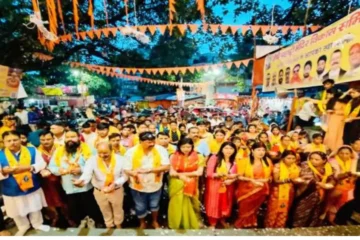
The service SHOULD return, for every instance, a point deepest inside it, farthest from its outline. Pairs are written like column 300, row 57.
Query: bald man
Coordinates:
column 105, row 171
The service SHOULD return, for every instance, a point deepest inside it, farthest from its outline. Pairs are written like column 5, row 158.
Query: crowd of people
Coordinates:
column 200, row 172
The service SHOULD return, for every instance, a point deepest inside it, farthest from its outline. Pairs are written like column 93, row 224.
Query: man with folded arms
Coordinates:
column 145, row 164
column 21, row 189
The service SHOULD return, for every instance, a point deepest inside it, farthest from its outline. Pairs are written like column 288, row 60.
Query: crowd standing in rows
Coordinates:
column 211, row 171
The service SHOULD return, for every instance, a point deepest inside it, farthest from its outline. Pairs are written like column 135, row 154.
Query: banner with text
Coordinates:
column 9, row 81
column 332, row 53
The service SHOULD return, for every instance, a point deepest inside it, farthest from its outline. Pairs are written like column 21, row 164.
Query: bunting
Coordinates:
column 169, row 70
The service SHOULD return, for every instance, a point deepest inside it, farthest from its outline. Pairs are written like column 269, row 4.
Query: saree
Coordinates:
column 184, row 204
column 218, row 204
column 344, row 189
column 308, row 204
column 250, row 198
column 277, row 212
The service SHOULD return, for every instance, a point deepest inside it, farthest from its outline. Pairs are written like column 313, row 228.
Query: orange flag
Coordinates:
column 98, row 33
column 255, row 29
column 244, row 29
column 237, row 63
column 234, row 29
column 201, row 8
column 152, row 29
column 142, row 28
column 162, row 70
column 245, row 62
column 274, row 29
column 106, row 32
column 214, row 28
column 228, row 65
column 90, row 34
column 76, row 15
column 224, row 28
column 162, row 28
column 285, row 29
column 191, row 69
column 170, row 26
column 182, row 28
column 294, row 28
column 172, row 10
column 141, row 70
column 91, row 14
column 113, row 31
column 193, row 28
column 314, row 28
column 82, row 35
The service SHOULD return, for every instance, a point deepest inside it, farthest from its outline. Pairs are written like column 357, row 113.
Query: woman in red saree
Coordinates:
column 253, row 187
column 219, row 193
column 285, row 175
column 308, row 206
column 344, row 164
column 184, row 205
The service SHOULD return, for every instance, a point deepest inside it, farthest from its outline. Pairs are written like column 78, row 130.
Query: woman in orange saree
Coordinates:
column 253, row 187
column 344, row 164
column 285, row 175
column 184, row 205
column 219, row 193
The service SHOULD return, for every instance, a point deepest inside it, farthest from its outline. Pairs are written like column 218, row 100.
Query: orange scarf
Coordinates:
column 182, row 163
column 108, row 172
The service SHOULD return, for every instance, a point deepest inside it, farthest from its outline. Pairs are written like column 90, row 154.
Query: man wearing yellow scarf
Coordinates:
column 105, row 171
column 67, row 162
column 163, row 140
column 20, row 184
column 164, row 126
column 145, row 165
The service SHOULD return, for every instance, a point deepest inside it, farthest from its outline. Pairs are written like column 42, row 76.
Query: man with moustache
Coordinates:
column 68, row 162
column 281, row 77
column 296, row 76
column 273, row 81
column 201, row 146
column 307, row 71
column 336, row 71
column 354, row 60
column 20, row 184
column 320, row 70
column 287, row 75
column 145, row 164
column 58, row 130
column 115, row 143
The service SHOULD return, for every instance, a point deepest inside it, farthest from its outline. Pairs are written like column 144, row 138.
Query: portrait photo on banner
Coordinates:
column 9, row 81
column 332, row 53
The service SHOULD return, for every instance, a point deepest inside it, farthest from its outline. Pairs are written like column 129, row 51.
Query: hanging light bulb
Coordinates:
column 269, row 38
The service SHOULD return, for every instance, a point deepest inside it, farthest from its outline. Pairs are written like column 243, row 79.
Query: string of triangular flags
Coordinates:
column 113, row 72
column 161, row 71
column 214, row 28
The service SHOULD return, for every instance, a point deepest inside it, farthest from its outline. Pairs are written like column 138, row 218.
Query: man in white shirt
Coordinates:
column 306, row 115
column 145, row 164
column 58, row 129
column 88, row 134
column 216, row 120
column 105, row 170
column 23, row 115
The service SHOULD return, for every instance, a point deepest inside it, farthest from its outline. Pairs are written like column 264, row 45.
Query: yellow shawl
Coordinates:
column 286, row 172
column 223, row 170
column 352, row 114
column 84, row 150
column 24, row 180
column 215, row 146
column 344, row 167
column 244, row 167
column 178, row 133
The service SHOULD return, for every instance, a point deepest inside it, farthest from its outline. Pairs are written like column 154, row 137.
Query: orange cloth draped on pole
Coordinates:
column 258, row 72
column 201, row 8
column 76, row 17
column 250, row 197
column 51, row 8
column 91, row 14
column 61, row 15
column 37, row 10
column 172, row 10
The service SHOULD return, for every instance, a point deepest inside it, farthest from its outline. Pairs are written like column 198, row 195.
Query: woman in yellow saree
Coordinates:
column 184, row 205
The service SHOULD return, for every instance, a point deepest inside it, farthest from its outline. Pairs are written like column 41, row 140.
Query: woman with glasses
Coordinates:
column 185, row 169
column 310, row 196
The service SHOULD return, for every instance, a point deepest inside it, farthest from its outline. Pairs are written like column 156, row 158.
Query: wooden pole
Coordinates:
column 292, row 111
